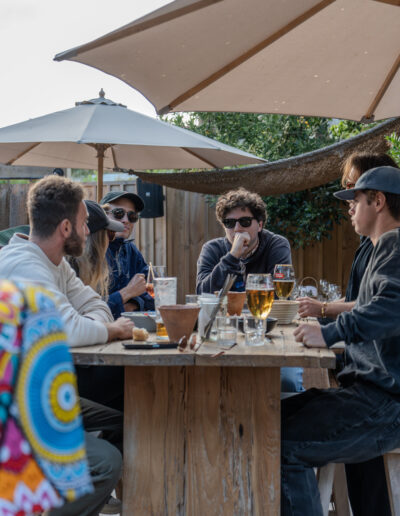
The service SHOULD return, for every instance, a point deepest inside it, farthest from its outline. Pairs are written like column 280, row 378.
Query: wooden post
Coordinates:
column 100, row 167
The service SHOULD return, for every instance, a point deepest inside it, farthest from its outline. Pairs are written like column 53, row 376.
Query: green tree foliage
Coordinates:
column 304, row 217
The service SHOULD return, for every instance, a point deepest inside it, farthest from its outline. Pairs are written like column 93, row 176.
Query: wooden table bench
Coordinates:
column 202, row 433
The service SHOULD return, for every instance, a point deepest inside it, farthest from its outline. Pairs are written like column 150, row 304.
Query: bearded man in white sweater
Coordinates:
column 58, row 222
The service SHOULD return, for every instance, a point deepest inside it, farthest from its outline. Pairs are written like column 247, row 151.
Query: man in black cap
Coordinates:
column 127, row 289
column 361, row 419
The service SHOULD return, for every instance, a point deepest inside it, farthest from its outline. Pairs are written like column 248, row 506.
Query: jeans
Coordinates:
column 348, row 425
column 292, row 379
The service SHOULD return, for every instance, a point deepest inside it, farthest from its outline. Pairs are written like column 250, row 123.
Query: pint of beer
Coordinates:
column 260, row 294
column 283, row 280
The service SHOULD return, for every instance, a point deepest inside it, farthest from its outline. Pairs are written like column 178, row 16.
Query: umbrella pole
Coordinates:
column 100, row 164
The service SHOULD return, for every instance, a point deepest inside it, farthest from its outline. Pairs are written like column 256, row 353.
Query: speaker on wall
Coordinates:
column 153, row 198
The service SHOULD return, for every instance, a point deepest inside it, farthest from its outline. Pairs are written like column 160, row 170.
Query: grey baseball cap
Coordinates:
column 118, row 194
column 99, row 220
column 383, row 179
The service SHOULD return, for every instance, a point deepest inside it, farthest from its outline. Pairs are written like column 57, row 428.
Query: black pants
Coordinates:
column 366, row 483
column 102, row 384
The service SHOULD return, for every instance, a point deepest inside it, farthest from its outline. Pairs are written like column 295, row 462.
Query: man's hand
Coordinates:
column 135, row 287
column 240, row 244
column 131, row 306
column 309, row 307
column 120, row 329
column 310, row 335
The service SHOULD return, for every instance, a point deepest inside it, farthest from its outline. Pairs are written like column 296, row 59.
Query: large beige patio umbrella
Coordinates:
column 99, row 133
column 303, row 57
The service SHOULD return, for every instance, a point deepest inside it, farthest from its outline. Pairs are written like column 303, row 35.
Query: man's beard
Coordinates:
column 73, row 245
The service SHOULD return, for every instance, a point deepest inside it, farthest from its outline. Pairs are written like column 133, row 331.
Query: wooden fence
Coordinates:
column 176, row 239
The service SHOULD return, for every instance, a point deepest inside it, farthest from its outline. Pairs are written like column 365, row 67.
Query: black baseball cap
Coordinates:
column 118, row 194
column 99, row 220
column 383, row 179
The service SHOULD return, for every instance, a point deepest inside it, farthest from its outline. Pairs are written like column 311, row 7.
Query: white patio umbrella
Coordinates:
column 306, row 57
column 101, row 134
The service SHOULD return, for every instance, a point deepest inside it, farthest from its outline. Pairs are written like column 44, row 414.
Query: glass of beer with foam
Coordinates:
column 260, row 295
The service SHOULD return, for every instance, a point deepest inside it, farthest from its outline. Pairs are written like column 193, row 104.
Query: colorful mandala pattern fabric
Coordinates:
column 42, row 455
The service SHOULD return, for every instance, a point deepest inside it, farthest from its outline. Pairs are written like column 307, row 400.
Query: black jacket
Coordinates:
column 372, row 329
column 215, row 261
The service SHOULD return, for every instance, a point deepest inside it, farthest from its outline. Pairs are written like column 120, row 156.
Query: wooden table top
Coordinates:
column 280, row 351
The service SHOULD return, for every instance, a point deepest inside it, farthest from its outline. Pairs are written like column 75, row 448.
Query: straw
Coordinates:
column 150, row 272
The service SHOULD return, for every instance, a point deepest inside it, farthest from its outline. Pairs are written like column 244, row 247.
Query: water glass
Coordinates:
column 165, row 294
column 207, row 305
column 254, row 331
column 191, row 299
column 165, row 291
column 227, row 328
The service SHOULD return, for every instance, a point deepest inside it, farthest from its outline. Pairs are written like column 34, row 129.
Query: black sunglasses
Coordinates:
column 119, row 214
column 245, row 222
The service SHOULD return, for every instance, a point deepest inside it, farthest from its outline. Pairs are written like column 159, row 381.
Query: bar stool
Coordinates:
column 392, row 470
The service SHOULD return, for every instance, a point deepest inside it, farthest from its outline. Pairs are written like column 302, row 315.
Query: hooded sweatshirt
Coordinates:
column 215, row 261
column 82, row 310
column 372, row 329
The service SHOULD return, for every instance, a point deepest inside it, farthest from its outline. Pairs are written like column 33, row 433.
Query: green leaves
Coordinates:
column 303, row 217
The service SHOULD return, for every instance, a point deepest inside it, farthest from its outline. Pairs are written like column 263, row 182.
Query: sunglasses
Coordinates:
column 119, row 214
column 350, row 185
column 245, row 222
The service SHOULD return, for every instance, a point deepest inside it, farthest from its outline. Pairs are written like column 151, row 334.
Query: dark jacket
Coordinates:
column 372, row 329
column 358, row 267
column 125, row 260
column 215, row 261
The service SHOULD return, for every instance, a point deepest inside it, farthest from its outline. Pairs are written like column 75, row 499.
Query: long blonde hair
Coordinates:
column 91, row 266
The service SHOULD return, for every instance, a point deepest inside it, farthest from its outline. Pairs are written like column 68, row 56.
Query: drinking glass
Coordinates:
column 165, row 294
column 155, row 271
column 226, row 330
column 192, row 299
column 254, row 330
column 260, row 296
column 283, row 280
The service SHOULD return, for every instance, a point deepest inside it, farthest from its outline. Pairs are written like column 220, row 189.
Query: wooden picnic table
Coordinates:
column 202, row 433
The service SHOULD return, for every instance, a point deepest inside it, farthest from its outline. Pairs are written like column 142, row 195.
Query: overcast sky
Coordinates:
column 33, row 31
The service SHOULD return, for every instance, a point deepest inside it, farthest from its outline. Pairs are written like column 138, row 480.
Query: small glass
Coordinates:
column 227, row 328
column 192, row 299
column 284, row 280
column 254, row 331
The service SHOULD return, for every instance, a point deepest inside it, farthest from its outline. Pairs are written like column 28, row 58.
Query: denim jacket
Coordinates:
column 125, row 260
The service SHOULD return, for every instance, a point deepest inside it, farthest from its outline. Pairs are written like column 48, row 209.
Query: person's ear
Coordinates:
column 65, row 228
column 380, row 201
column 260, row 226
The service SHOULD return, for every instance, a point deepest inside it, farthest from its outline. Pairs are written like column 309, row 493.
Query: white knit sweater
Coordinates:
column 82, row 309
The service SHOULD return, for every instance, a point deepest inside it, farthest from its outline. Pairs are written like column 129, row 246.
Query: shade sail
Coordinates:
column 304, row 57
column 287, row 175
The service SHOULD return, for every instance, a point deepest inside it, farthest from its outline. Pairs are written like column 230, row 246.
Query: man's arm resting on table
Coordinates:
column 310, row 335
column 119, row 329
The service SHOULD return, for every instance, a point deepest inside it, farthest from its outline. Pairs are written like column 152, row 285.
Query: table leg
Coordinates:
column 202, row 441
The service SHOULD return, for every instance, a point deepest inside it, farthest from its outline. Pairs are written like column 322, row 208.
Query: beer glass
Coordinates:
column 283, row 280
column 260, row 295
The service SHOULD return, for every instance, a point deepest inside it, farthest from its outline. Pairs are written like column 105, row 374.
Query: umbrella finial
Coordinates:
column 101, row 93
